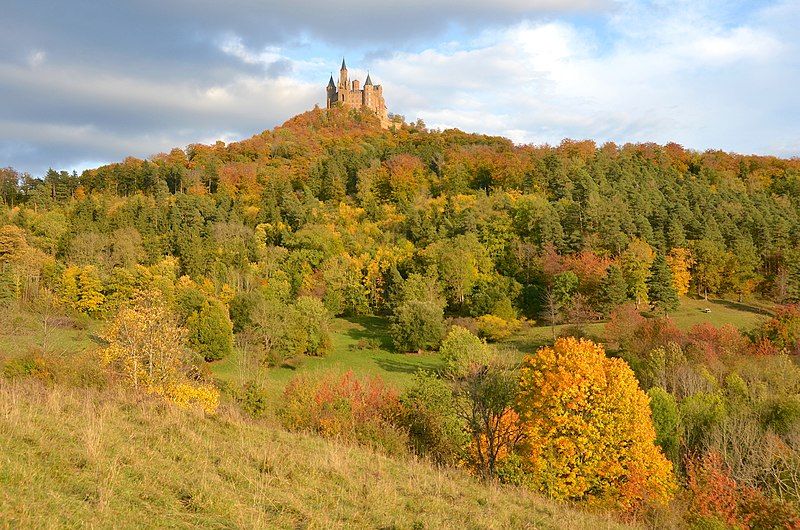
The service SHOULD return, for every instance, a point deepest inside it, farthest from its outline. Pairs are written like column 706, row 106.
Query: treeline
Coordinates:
column 342, row 209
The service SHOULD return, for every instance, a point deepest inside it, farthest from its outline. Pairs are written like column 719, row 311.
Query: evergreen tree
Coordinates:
column 613, row 289
column 661, row 286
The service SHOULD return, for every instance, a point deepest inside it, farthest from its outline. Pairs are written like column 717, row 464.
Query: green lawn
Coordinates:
column 397, row 368
column 394, row 368
column 690, row 312
column 22, row 332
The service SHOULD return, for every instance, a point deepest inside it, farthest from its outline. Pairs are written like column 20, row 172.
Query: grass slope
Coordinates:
column 82, row 458
column 395, row 368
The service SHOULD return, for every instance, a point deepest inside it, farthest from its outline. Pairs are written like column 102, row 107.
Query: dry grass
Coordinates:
column 81, row 458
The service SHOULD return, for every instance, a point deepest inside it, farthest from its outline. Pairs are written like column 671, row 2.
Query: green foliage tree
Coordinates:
column 661, row 286
column 613, row 290
column 211, row 331
column 463, row 353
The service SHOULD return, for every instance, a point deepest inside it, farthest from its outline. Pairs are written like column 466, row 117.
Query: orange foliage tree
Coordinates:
column 589, row 429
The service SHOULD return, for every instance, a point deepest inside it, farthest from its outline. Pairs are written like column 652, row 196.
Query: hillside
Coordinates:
column 82, row 458
column 613, row 327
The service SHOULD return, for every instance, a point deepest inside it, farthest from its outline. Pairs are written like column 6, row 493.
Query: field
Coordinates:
column 360, row 344
column 398, row 368
column 82, row 458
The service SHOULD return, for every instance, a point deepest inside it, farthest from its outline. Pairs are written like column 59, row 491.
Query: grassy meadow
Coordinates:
column 82, row 458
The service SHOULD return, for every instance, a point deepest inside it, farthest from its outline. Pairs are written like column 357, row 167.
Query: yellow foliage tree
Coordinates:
column 680, row 261
column 146, row 347
column 589, row 428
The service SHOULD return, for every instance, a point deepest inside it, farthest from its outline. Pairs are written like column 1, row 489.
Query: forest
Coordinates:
column 460, row 248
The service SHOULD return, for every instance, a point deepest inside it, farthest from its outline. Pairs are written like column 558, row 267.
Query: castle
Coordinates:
column 352, row 95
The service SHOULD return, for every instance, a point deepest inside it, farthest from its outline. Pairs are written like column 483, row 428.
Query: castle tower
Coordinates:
column 343, row 76
column 351, row 94
column 331, row 90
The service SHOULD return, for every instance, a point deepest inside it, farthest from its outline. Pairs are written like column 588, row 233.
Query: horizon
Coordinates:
column 83, row 89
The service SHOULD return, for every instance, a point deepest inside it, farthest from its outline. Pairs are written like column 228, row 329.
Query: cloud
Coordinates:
column 83, row 81
column 689, row 78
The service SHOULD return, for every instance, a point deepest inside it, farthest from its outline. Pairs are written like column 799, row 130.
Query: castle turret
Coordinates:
column 331, row 90
column 343, row 76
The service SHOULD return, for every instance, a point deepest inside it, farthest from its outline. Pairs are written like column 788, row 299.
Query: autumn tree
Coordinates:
column 589, row 427
column 680, row 262
column 148, row 349
column 636, row 262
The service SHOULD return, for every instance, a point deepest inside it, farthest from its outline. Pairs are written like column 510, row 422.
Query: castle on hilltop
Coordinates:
column 352, row 95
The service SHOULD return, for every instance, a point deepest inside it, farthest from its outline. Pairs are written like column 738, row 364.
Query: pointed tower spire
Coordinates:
column 331, row 84
column 368, row 81
column 344, row 66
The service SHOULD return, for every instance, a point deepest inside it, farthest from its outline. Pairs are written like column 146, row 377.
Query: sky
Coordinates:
column 84, row 83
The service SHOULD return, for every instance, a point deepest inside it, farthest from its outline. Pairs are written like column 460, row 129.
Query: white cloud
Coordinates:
column 36, row 57
column 686, row 78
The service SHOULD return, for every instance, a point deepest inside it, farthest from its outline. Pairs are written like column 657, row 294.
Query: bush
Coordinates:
column 494, row 328
column 429, row 415
column 417, row 325
column 463, row 353
column 361, row 410
column 253, row 399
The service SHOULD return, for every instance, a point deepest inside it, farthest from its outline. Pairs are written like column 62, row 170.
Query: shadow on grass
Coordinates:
column 371, row 328
column 406, row 367
column 741, row 306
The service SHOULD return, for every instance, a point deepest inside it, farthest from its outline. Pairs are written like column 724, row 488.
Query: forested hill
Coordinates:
column 413, row 186
column 243, row 279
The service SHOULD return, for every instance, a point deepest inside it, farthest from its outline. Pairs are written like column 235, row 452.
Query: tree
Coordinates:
column 589, row 427
column 485, row 401
column 417, row 325
column 430, row 415
column 666, row 420
column 463, row 353
column 680, row 262
column 740, row 268
column 310, row 326
column 661, row 286
column 709, row 266
column 418, row 317
column 613, row 290
column 147, row 348
column 636, row 262
column 211, row 331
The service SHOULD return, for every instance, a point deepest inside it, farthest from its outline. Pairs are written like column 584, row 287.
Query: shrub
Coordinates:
column 463, row 353
column 781, row 332
column 708, row 343
column 362, row 410
column 494, row 328
column 589, row 427
column 417, row 325
column 429, row 415
column 147, row 349
column 253, row 399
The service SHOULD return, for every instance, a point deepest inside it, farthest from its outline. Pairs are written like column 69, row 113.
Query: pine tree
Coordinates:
column 613, row 289
column 661, row 286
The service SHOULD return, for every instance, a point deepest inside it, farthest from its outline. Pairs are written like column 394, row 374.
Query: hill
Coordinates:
column 83, row 458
